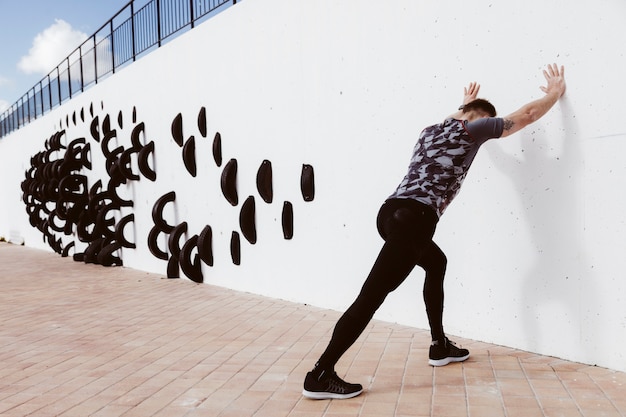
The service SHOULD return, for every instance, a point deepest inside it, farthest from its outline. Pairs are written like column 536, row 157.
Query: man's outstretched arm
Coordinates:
column 534, row 110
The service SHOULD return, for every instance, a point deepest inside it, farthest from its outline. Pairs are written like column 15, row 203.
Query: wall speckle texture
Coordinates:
column 534, row 240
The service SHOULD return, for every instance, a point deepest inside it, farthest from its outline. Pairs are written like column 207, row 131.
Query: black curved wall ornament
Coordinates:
column 93, row 191
column 106, row 126
column 153, row 245
column 192, row 269
column 95, row 129
column 157, row 212
column 217, row 149
column 307, row 183
column 177, row 129
column 73, row 187
column 83, row 226
column 124, row 165
column 85, row 156
column 173, row 242
column 103, row 222
column 235, row 248
column 104, row 145
column 229, row 182
column 115, row 198
column 189, row 156
column 264, row 181
column 74, row 147
column 119, row 231
column 55, row 141
column 115, row 172
column 205, row 245
column 135, row 136
column 247, row 221
column 91, row 252
column 142, row 161
column 287, row 220
column 52, row 224
column 105, row 255
column 202, row 126
column 66, row 249
column 173, row 270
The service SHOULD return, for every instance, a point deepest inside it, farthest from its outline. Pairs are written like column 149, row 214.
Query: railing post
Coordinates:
column 41, row 96
column 191, row 14
column 158, row 7
column 49, row 92
column 132, row 27
column 69, row 77
column 28, row 104
column 82, row 74
column 95, row 59
column 59, row 84
column 112, row 46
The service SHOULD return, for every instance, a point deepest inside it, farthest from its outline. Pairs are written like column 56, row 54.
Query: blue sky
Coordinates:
column 36, row 35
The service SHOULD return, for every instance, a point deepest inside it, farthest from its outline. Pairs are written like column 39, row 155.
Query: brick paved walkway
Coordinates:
column 84, row 340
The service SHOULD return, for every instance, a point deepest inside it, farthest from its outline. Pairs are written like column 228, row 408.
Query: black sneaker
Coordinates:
column 329, row 386
column 442, row 352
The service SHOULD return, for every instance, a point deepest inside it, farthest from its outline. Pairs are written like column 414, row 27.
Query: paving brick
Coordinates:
column 84, row 340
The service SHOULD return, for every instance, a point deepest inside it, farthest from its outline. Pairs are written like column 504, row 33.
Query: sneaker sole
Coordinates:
column 329, row 395
column 445, row 361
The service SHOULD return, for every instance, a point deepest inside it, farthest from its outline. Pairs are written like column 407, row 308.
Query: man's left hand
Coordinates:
column 470, row 92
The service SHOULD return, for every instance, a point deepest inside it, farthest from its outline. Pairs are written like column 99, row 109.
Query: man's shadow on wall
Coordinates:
column 549, row 186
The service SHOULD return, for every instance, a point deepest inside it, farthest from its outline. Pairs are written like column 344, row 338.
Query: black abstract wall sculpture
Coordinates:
column 264, row 181
column 229, row 182
column 191, row 268
column 287, row 220
column 189, row 156
column 177, row 129
column 202, row 124
column 71, row 213
column 205, row 245
column 144, row 165
column 217, row 149
column 307, row 183
column 59, row 201
column 235, row 248
column 247, row 220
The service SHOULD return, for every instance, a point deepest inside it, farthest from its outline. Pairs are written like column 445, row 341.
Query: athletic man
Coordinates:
column 407, row 221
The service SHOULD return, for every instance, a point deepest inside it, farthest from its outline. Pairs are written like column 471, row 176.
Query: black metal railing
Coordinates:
column 132, row 32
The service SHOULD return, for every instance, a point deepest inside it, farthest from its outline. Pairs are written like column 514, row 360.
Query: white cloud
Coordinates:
column 50, row 47
column 3, row 103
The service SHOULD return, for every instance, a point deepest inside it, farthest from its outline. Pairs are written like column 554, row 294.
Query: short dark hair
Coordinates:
column 480, row 104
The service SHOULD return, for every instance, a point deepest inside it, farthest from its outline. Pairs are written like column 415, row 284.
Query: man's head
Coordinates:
column 480, row 106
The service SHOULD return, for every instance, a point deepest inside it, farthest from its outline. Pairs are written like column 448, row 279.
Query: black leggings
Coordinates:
column 407, row 227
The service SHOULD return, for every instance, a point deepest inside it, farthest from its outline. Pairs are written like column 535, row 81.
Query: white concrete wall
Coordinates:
column 535, row 240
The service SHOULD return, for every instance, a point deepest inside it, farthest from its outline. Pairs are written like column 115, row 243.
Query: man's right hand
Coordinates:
column 534, row 110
